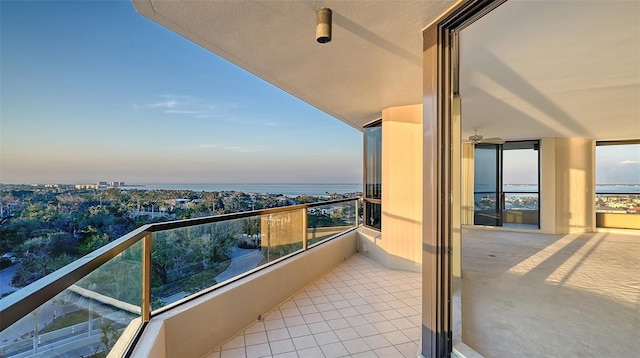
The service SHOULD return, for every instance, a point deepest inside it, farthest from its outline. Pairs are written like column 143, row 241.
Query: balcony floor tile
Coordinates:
column 359, row 309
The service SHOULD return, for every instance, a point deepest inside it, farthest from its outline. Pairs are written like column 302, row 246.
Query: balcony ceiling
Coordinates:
column 373, row 62
column 529, row 69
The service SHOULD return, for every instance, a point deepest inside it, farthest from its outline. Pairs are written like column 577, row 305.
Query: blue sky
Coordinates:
column 90, row 90
column 93, row 91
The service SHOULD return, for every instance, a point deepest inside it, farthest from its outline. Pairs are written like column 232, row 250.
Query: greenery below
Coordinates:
column 46, row 228
column 69, row 319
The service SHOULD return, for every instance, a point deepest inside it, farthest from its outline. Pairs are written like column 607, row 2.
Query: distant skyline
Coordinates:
column 94, row 91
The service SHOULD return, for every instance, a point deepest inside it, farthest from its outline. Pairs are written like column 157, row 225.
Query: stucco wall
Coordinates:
column 399, row 244
column 567, row 203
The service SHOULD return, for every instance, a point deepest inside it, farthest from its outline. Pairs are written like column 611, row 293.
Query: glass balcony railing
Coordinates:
column 618, row 210
column 618, row 203
column 517, row 208
column 98, row 304
column 521, row 208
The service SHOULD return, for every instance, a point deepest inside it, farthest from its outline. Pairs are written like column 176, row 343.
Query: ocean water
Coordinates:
column 600, row 188
column 323, row 189
column 284, row 189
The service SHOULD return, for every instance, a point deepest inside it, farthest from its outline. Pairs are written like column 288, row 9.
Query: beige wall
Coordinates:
column 618, row 221
column 567, row 203
column 468, row 151
column 456, row 188
column 399, row 245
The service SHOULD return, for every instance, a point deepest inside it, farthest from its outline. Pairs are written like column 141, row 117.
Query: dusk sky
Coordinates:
column 94, row 91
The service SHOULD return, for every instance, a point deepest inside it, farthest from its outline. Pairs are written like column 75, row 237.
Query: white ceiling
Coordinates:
column 534, row 69
column 529, row 69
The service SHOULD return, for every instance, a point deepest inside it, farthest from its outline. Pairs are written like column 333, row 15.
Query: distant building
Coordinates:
column 87, row 186
column 177, row 202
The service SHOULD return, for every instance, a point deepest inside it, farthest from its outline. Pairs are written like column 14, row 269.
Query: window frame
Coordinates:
column 369, row 200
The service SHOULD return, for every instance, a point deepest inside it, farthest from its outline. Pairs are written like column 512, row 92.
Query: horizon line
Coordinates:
column 143, row 184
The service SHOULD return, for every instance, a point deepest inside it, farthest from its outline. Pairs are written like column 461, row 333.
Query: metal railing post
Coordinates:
column 146, row 279
column 305, row 231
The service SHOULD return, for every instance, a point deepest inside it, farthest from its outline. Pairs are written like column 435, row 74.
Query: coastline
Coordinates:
column 283, row 189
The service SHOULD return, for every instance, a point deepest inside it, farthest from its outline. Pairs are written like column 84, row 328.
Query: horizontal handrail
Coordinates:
column 168, row 225
column 27, row 299
column 505, row 191
column 617, row 193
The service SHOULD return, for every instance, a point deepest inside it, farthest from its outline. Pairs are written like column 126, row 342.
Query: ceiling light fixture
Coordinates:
column 323, row 25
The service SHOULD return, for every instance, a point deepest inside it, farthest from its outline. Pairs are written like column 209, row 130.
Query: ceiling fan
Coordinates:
column 478, row 138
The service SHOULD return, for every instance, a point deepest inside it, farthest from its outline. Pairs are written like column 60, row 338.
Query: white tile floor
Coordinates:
column 359, row 309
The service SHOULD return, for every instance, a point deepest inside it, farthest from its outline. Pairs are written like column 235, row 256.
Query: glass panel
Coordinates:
column 188, row 260
column 86, row 319
column 373, row 214
column 617, row 178
column 329, row 220
column 283, row 234
column 373, row 162
column 486, row 176
column 618, row 184
column 617, row 168
column 520, row 168
column 621, row 203
column 521, row 209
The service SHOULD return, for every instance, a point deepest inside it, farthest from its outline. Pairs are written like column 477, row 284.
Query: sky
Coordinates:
column 92, row 91
column 615, row 164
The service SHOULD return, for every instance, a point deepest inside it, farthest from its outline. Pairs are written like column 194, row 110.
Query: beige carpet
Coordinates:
column 534, row 295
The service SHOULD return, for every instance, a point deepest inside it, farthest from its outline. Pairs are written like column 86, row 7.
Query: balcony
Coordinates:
column 513, row 209
column 140, row 286
column 617, row 210
column 359, row 308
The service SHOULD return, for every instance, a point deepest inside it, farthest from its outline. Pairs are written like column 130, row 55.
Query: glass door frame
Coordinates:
column 440, row 83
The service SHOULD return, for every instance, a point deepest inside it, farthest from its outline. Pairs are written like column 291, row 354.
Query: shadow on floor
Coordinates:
column 551, row 295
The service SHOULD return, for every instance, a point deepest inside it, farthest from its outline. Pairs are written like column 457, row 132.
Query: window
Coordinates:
column 617, row 183
column 373, row 174
column 506, row 190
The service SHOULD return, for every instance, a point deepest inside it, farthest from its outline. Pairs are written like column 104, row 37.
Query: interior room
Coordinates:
column 538, row 274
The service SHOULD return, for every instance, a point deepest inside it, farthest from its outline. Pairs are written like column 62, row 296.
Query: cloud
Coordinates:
column 177, row 111
column 629, row 162
column 229, row 148
column 170, row 101
column 172, row 104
